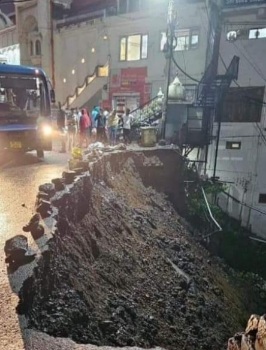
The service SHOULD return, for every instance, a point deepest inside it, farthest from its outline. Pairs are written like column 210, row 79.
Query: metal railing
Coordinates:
column 148, row 112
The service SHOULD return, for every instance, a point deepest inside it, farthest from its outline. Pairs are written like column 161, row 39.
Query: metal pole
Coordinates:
column 171, row 30
column 52, row 44
column 167, row 84
column 219, row 112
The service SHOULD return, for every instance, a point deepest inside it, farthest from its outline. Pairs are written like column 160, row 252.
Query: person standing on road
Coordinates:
column 127, row 120
column 72, row 128
column 100, row 120
column 84, row 125
column 112, row 124
column 94, row 114
column 61, row 123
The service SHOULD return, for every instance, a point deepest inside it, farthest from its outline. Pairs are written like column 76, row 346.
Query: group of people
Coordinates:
column 78, row 127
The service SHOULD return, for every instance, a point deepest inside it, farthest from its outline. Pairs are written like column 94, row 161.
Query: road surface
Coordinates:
column 20, row 178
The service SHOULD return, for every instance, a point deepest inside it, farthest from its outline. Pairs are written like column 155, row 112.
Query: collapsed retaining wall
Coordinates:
column 122, row 269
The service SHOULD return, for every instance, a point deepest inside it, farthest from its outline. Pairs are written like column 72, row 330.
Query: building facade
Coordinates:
column 242, row 146
column 111, row 50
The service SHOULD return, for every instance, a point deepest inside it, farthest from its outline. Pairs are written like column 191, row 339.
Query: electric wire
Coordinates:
column 244, row 204
column 186, row 74
column 255, row 124
column 256, row 69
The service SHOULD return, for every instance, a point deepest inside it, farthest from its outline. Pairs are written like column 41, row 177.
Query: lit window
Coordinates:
column 144, row 47
column 233, row 145
column 38, row 48
column 258, row 33
column 134, row 47
column 163, row 41
column 123, row 49
column 182, row 40
column 186, row 39
column 194, row 39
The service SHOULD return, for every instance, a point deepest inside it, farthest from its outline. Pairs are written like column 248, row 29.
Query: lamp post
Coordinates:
column 171, row 22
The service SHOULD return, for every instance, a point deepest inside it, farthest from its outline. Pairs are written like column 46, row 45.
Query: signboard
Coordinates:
column 132, row 81
column 236, row 3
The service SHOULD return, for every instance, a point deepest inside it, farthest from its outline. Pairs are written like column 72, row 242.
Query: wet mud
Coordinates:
column 123, row 268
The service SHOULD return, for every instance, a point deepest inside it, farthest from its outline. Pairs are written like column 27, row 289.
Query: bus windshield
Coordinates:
column 21, row 96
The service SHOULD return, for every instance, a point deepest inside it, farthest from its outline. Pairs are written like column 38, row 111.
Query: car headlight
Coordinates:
column 47, row 130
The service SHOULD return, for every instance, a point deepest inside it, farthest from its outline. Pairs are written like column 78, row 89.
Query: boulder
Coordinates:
column 48, row 188
column 44, row 208
column 58, row 184
column 17, row 251
column 69, row 176
column 33, row 223
column 37, row 232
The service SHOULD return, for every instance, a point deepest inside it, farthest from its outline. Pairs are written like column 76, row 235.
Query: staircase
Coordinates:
column 212, row 88
column 93, row 83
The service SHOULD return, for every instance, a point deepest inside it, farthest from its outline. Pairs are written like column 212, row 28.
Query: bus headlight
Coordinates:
column 47, row 130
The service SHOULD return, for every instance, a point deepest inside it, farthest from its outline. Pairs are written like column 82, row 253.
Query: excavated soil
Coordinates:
column 123, row 269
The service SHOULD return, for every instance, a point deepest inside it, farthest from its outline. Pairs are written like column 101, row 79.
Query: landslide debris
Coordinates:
column 122, row 269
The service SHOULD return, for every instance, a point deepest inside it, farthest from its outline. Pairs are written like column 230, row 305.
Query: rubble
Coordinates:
column 58, row 184
column 123, row 270
column 47, row 188
column 17, row 251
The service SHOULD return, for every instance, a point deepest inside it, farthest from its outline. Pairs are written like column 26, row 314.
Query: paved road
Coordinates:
column 19, row 180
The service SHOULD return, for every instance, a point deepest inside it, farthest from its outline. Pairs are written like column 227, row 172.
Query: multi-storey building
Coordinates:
column 241, row 154
column 113, row 52
column 72, row 39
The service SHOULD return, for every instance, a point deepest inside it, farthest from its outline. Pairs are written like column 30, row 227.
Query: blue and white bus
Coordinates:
column 25, row 109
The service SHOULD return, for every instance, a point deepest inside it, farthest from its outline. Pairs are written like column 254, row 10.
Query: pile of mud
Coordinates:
column 122, row 269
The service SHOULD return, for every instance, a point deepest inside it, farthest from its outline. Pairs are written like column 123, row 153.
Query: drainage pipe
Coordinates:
column 219, row 229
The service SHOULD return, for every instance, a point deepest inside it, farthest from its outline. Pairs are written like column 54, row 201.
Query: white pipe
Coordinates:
column 257, row 239
column 209, row 210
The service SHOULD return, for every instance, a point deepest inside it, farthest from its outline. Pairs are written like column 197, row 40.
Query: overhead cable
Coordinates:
column 186, row 74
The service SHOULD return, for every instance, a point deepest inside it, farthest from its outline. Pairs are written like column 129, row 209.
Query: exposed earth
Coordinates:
column 123, row 268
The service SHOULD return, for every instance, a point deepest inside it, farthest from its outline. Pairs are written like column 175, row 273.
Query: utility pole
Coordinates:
column 52, row 43
column 219, row 114
column 171, row 24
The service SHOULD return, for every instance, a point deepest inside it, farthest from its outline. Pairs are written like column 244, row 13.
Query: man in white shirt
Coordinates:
column 72, row 128
column 127, row 120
